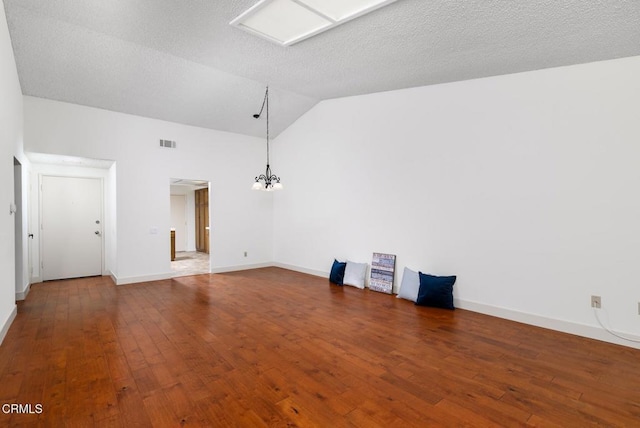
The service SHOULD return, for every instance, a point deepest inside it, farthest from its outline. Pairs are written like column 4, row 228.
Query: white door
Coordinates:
column 71, row 227
column 179, row 220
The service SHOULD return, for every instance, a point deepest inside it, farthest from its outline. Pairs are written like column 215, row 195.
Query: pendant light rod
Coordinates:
column 267, row 181
column 266, row 97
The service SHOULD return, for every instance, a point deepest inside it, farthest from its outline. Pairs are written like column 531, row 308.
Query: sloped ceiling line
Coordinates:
column 183, row 62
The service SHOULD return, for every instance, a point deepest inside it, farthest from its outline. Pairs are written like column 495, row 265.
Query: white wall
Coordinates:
column 11, row 118
column 229, row 161
column 525, row 186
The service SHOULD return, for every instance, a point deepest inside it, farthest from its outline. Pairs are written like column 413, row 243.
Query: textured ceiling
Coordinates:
column 181, row 61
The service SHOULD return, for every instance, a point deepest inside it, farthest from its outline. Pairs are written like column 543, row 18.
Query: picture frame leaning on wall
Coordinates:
column 383, row 267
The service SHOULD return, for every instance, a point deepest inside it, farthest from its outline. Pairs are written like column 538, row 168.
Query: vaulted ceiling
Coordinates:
column 181, row 61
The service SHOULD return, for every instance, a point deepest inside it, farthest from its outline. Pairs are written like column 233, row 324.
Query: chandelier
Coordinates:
column 267, row 181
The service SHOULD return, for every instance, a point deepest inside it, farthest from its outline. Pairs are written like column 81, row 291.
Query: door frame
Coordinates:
column 19, row 230
column 102, row 216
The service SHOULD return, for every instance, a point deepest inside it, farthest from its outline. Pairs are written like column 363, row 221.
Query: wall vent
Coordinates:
column 168, row 143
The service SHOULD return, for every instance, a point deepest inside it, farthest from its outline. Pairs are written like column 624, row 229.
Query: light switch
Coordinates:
column 153, row 231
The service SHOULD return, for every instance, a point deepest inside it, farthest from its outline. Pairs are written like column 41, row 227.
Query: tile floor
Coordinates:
column 190, row 263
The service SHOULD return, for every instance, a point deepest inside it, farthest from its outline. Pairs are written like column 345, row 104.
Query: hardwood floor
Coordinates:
column 271, row 347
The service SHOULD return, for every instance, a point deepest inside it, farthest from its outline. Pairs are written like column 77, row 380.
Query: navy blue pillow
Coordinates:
column 337, row 272
column 436, row 291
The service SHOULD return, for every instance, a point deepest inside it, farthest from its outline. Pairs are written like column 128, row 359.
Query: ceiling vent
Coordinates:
column 168, row 143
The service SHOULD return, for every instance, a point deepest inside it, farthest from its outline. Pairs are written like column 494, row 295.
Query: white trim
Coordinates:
column 225, row 269
column 36, row 280
column 577, row 329
column 583, row 330
column 5, row 326
column 170, row 275
column 313, row 272
column 23, row 294
column 142, row 278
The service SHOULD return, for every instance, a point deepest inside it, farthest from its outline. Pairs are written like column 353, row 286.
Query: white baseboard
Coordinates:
column 169, row 275
column 36, row 280
column 23, row 294
column 591, row 332
column 7, row 323
column 142, row 278
column 302, row 269
column 240, row 267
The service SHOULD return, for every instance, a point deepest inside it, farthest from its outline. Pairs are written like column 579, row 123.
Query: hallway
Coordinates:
column 190, row 263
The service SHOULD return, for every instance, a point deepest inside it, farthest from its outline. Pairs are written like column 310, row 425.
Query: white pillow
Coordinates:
column 354, row 274
column 410, row 285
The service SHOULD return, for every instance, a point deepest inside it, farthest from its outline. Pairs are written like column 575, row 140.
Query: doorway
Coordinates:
column 19, row 233
column 71, row 227
column 190, row 241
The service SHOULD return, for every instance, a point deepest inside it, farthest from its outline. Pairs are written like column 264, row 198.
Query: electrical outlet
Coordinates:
column 596, row 302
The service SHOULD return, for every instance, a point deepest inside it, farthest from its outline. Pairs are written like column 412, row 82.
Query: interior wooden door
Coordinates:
column 202, row 220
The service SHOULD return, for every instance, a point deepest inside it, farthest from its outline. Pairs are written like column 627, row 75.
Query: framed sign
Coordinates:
column 383, row 267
